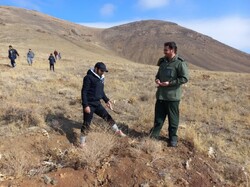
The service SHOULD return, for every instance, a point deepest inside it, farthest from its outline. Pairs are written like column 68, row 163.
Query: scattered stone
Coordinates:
column 45, row 133
column 182, row 182
column 34, row 129
column 47, row 179
column 211, row 152
column 145, row 184
column 187, row 164
column 33, row 172
column 54, row 182
column 162, row 174
column 2, row 177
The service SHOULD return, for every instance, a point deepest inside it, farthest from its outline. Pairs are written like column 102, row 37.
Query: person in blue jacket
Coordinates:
column 92, row 92
column 12, row 55
column 52, row 61
column 30, row 57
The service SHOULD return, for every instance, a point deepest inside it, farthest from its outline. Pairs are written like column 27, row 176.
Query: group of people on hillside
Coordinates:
column 13, row 54
column 172, row 73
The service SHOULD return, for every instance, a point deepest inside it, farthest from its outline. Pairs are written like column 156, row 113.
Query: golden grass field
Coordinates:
column 41, row 116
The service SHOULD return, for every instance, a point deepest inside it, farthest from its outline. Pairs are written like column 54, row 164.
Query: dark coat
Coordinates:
column 12, row 54
column 93, row 89
column 176, row 72
column 52, row 59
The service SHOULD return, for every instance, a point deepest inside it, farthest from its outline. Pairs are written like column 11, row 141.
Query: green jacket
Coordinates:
column 176, row 72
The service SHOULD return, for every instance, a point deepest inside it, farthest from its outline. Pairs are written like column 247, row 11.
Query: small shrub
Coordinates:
column 15, row 163
column 192, row 137
column 150, row 146
column 99, row 145
column 26, row 117
column 235, row 174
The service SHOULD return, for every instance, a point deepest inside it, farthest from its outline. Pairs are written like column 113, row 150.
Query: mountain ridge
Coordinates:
column 147, row 37
column 140, row 41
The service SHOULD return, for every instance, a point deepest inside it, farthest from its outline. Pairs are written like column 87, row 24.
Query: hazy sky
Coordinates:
column 227, row 21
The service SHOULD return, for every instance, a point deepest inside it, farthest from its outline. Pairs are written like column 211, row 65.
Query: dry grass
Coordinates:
column 150, row 146
column 214, row 109
column 99, row 145
column 214, row 114
column 15, row 163
column 23, row 116
column 191, row 135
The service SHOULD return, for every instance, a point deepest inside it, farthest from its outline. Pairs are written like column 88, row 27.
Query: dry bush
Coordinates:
column 237, row 175
column 98, row 146
column 190, row 134
column 146, row 116
column 22, row 116
column 10, row 130
column 15, row 163
column 150, row 146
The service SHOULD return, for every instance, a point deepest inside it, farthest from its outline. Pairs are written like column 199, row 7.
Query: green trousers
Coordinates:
column 165, row 109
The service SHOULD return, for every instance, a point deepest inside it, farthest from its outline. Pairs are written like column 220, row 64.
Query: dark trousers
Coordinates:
column 165, row 109
column 13, row 63
column 51, row 67
column 97, row 108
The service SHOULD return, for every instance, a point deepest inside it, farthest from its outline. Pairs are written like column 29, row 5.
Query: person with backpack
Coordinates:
column 92, row 92
column 12, row 55
column 30, row 56
column 52, row 61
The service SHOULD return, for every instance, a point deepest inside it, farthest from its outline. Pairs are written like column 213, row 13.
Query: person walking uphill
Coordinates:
column 30, row 56
column 52, row 61
column 92, row 92
column 172, row 73
column 12, row 55
column 56, row 54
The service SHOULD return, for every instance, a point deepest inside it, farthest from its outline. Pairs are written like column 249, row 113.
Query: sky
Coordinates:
column 227, row 21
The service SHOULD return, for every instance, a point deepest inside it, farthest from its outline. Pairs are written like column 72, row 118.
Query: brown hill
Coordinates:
column 24, row 29
column 142, row 42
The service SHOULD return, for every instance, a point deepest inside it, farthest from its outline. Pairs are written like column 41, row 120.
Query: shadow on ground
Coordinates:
column 64, row 126
column 5, row 66
column 71, row 129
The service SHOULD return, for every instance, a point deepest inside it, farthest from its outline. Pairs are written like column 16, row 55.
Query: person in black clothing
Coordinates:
column 12, row 56
column 92, row 93
column 52, row 61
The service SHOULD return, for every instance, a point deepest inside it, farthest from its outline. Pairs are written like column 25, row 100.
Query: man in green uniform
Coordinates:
column 172, row 73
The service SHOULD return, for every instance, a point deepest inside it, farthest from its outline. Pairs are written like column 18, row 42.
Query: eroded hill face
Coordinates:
column 143, row 41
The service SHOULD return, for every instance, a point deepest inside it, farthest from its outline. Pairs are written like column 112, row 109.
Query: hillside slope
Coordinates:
column 142, row 42
column 41, row 117
column 24, row 29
